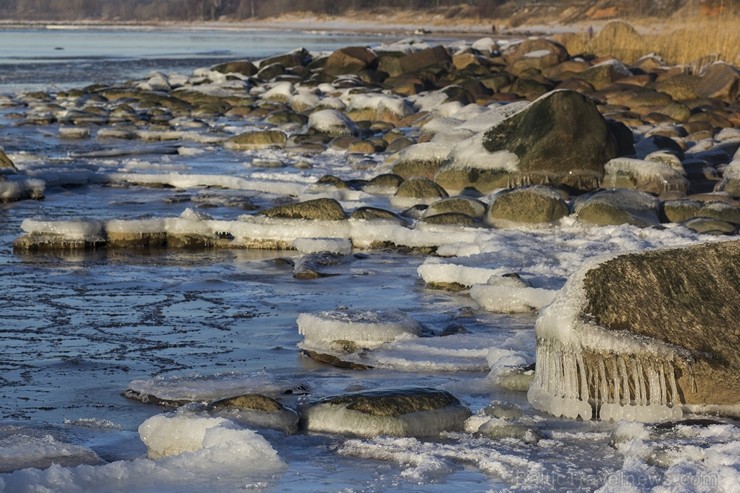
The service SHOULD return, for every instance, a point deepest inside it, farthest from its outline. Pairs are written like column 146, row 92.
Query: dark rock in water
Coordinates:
column 256, row 410
column 645, row 334
column 317, row 209
column 532, row 205
column 405, row 412
column 618, row 206
column 561, row 137
column 334, row 360
column 153, row 399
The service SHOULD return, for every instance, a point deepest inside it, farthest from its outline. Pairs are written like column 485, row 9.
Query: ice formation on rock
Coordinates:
column 584, row 371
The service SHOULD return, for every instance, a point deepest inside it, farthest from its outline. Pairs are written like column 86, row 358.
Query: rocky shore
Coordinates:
column 474, row 136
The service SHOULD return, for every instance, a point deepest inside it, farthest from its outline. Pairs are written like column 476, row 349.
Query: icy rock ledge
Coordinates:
column 642, row 336
column 398, row 412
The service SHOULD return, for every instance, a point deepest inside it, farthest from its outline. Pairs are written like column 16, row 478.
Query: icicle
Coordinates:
column 625, row 400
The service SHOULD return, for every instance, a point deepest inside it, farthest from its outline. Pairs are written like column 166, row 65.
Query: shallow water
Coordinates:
column 78, row 329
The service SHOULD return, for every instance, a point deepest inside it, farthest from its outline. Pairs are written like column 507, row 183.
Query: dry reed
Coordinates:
column 694, row 44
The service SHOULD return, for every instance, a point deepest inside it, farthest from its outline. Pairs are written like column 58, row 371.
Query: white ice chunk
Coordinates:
column 364, row 327
column 510, row 299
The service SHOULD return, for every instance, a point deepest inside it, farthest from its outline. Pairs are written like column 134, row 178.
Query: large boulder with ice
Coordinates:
column 405, row 412
column 642, row 336
column 561, row 138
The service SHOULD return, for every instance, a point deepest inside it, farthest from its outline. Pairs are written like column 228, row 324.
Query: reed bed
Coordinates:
column 695, row 44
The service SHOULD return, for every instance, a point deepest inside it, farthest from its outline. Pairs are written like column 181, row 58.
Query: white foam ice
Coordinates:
column 686, row 458
column 15, row 187
column 194, row 453
column 511, row 299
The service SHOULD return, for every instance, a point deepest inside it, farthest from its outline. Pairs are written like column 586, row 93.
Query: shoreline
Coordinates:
column 337, row 25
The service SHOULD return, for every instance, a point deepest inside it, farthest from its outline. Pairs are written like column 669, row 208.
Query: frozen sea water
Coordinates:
column 80, row 328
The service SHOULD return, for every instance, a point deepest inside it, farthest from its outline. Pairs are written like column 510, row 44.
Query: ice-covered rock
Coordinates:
column 561, row 138
column 510, row 294
column 6, row 164
column 256, row 410
column 650, row 176
column 348, row 331
column 422, row 159
column 331, row 122
column 402, row 412
column 640, row 336
column 618, row 206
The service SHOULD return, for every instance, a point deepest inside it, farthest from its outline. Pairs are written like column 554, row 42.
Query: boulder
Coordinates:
column 449, row 219
column 243, row 67
column 414, row 412
column 710, row 226
column 423, row 159
column 420, row 188
column 531, row 205
column 436, row 56
column 643, row 336
column 720, row 80
column 677, row 211
column 350, row 60
column 559, row 138
column 461, row 205
column 317, row 209
column 257, row 139
column 618, row 206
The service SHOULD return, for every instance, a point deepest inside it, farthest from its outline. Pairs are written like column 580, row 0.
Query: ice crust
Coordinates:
column 366, row 328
